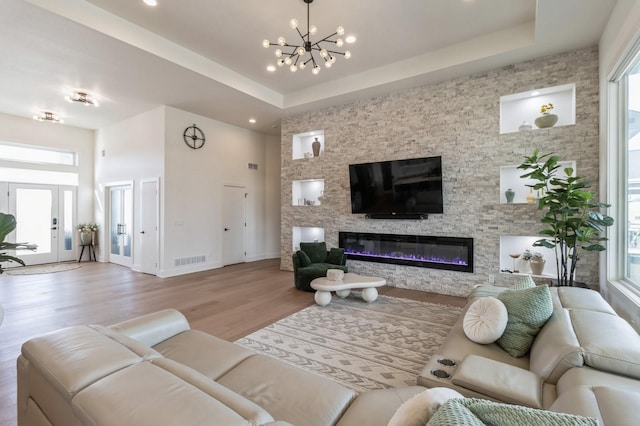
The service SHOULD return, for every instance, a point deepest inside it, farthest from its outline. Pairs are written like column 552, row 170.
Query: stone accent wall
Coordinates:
column 458, row 120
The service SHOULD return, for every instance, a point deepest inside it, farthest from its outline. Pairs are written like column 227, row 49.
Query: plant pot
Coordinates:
column 86, row 238
column 546, row 120
column 537, row 266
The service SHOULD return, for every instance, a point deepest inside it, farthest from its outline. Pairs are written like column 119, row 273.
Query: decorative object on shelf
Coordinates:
column 524, row 127
column 515, row 257
column 7, row 225
column 297, row 56
column 509, row 195
column 51, row 117
column 536, row 263
column 82, row 97
column 546, row 119
column 573, row 221
column 193, row 137
column 531, row 198
column 87, row 233
column 315, row 145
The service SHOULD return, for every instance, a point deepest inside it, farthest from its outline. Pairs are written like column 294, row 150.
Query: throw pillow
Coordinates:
column 485, row 320
column 528, row 309
column 524, row 282
column 418, row 409
column 317, row 252
column 335, row 256
column 303, row 258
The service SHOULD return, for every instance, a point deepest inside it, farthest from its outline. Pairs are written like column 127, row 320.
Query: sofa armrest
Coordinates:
column 153, row 328
column 499, row 381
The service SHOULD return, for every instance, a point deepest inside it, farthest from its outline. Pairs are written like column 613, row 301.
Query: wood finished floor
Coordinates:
column 229, row 302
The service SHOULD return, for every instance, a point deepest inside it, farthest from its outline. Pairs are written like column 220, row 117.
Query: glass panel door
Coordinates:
column 120, row 224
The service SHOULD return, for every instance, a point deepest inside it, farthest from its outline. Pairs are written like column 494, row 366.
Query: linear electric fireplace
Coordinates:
column 451, row 253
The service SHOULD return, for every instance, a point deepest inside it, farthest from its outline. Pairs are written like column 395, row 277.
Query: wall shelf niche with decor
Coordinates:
column 519, row 108
column 510, row 179
column 307, row 192
column 306, row 234
column 303, row 145
column 512, row 245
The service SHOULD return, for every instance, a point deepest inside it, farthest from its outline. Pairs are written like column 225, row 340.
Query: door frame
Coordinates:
column 245, row 189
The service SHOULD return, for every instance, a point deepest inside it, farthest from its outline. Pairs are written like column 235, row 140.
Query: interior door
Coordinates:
column 44, row 216
column 149, row 227
column 234, row 224
column 120, row 224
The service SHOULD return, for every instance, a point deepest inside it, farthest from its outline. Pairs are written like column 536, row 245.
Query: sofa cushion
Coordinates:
column 485, row 320
column 376, row 407
column 529, row 309
column 303, row 258
column 609, row 343
column 317, row 252
column 335, row 256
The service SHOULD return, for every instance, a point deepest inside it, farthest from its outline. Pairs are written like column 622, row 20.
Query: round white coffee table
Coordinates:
column 343, row 287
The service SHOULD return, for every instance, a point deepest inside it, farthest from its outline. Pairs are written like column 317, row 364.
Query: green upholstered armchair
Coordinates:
column 313, row 260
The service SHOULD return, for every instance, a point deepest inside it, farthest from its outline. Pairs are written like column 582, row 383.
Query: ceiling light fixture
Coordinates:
column 151, row 2
column 83, row 98
column 48, row 116
column 297, row 57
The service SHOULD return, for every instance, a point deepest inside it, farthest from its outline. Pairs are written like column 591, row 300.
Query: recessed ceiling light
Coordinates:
column 271, row 68
column 151, row 2
column 252, row 120
column 350, row 39
column 536, row 93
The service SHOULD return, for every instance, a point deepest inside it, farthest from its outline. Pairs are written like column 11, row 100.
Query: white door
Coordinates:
column 234, row 224
column 120, row 225
column 44, row 216
column 149, row 227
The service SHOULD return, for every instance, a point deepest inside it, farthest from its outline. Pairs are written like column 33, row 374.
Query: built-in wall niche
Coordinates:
column 512, row 246
column 303, row 234
column 309, row 192
column 303, row 144
column 510, row 179
column 520, row 108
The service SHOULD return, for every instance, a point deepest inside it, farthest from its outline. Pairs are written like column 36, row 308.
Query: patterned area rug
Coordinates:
column 363, row 346
column 41, row 269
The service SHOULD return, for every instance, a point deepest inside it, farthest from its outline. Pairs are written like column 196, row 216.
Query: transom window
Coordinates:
column 36, row 155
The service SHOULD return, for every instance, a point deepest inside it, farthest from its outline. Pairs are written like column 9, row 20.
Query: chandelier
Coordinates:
column 48, row 116
column 299, row 55
column 83, row 98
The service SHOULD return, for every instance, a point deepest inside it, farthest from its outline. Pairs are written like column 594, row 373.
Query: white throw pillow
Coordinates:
column 417, row 410
column 485, row 320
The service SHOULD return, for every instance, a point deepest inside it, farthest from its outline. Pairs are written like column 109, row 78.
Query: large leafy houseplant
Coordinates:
column 573, row 220
column 8, row 224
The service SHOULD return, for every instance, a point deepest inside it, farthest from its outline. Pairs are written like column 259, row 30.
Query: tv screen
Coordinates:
column 412, row 186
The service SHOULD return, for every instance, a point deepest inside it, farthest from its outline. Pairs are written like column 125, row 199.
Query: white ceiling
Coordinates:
column 206, row 56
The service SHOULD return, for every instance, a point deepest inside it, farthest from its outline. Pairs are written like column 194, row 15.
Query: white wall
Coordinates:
column 30, row 132
column 621, row 32
column 272, row 197
column 133, row 150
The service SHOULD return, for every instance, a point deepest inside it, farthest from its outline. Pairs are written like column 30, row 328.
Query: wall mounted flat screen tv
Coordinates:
column 397, row 187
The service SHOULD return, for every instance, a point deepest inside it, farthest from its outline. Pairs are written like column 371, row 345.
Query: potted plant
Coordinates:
column 7, row 225
column 87, row 232
column 573, row 220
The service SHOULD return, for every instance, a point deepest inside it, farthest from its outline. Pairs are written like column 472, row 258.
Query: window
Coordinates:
column 632, row 153
column 37, row 155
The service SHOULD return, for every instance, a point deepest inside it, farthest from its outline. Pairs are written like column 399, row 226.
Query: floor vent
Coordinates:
column 184, row 261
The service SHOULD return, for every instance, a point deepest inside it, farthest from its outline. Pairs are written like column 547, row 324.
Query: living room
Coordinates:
column 457, row 117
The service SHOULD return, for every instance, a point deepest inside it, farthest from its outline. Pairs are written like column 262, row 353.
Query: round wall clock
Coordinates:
column 193, row 137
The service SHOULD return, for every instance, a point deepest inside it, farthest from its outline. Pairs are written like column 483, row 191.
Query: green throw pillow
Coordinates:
column 303, row 258
column 335, row 256
column 528, row 309
column 525, row 282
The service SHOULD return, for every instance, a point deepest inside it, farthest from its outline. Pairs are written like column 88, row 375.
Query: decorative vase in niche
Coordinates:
column 509, row 194
column 316, row 147
column 546, row 120
column 524, row 127
column 536, row 265
column 531, row 198
column 86, row 238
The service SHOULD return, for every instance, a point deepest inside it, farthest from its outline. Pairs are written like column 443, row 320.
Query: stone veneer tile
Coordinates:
column 459, row 120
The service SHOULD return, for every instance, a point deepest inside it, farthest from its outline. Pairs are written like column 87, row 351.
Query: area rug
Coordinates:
column 363, row 346
column 41, row 269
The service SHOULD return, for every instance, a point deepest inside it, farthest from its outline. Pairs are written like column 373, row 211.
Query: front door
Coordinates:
column 120, row 224
column 44, row 216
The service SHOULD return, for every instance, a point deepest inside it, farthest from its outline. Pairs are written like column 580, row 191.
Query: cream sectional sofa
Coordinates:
column 585, row 360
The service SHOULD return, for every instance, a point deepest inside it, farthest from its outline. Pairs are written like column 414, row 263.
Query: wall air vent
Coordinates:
column 192, row 260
